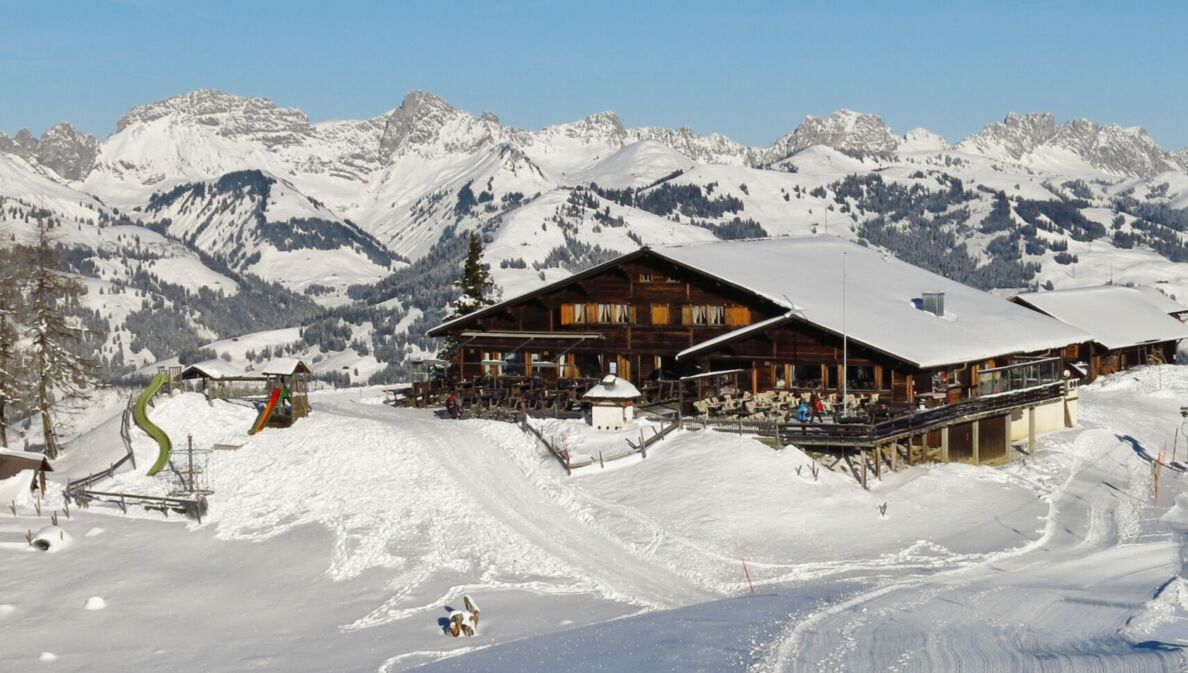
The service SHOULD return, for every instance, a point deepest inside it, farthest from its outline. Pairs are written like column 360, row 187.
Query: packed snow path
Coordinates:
column 503, row 490
column 1057, row 605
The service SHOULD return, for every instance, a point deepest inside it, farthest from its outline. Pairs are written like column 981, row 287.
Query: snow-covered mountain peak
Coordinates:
column 600, row 126
column 1182, row 158
column 922, row 140
column 426, row 124
column 63, row 149
column 844, row 130
column 1013, row 137
column 257, row 119
column 1114, row 149
column 1037, row 139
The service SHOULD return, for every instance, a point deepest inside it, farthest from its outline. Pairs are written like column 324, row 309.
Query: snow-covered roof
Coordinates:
column 804, row 275
column 612, row 388
column 1115, row 316
column 1160, row 300
column 284, row 367
column 212, row 369
column 880, row 297
column 30, row 456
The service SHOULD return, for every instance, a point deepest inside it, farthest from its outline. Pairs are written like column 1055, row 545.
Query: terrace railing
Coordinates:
column 870, row 434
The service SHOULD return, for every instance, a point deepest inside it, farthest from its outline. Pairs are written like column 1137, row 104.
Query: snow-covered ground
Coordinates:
column 338, row 544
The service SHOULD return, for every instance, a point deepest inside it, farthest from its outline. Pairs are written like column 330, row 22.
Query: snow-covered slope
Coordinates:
column 1024, row 202
column 261, row 225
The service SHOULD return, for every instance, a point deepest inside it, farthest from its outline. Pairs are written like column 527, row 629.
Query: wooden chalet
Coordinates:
column 1127, row 326
column 744, row 330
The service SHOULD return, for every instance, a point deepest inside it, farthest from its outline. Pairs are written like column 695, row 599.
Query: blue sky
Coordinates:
column 751, row 70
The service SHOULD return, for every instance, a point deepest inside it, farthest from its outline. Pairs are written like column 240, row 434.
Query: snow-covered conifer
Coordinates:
column 59, row 370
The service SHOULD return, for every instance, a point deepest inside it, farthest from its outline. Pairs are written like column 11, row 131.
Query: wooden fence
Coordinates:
column 129, row 456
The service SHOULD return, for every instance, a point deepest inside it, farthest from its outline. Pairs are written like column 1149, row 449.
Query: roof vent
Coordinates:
column 934, row 303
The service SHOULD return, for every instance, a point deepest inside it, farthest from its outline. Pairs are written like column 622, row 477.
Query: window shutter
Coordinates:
column 591, row 312
column 566, row 314
column 659, row 314
column 687, row 315
column 631, row 314
column 738, row 316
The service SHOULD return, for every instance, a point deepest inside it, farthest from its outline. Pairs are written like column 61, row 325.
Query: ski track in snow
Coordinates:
column 503, row 490
column 1055, row 605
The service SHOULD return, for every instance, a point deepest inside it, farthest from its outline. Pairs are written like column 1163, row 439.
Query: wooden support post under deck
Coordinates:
column 879, row 463
column 976, row 441
column 864, row 470
column 1006, row 433
column 1031, row 430
column 944, row 447
column 894, row 458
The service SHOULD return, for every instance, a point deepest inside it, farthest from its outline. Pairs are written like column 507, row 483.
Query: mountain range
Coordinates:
column 337, row 218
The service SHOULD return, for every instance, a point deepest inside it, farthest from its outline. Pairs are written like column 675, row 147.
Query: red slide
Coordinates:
column 273, row 400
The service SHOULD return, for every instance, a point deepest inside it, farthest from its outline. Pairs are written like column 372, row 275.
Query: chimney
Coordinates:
column 934, row 303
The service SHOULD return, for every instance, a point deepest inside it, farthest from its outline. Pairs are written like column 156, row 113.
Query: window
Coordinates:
column 492, row 363
column 645, row 277
column 605, row 313
column 573, row 314
column 805, row 376
column 860, row 377
column 698, row 314
column 622, row 314
column 716, row 315
column 514, row 364
column 670, row 279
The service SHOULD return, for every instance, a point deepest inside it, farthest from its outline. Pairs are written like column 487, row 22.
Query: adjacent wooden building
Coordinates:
column 1127, row 326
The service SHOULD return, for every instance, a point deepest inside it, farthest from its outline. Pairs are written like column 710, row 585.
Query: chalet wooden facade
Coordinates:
column 768, row 322
column 630, row 317
column 1127, row 326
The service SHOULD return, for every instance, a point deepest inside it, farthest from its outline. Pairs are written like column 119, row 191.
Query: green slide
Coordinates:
column 140, row 415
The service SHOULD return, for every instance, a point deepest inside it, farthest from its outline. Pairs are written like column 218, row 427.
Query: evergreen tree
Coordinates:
column 59, row 371
column 476, row 285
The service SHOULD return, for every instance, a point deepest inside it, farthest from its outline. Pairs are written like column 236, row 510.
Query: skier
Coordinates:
column 453, row 408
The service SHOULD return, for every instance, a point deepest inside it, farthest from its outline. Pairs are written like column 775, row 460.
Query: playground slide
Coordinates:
column 278, row 393
column 140, row 416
